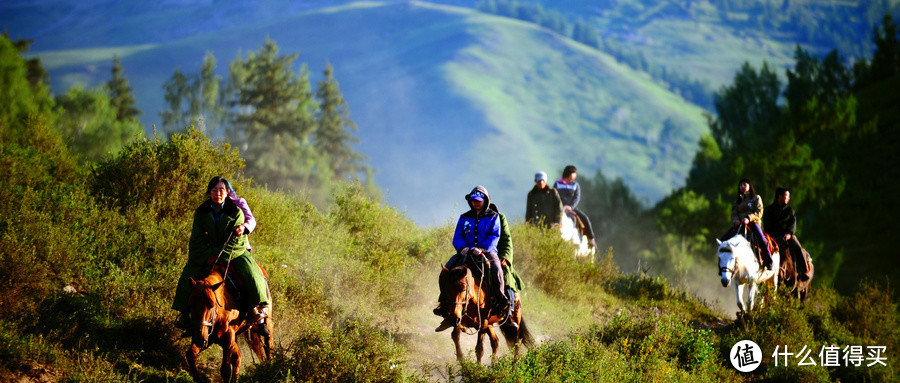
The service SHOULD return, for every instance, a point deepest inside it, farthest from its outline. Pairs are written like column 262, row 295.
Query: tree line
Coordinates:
column 827, row 132
column 290, row 135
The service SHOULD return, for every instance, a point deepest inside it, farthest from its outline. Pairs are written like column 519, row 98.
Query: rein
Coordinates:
column 467, row 300
column 215, row 310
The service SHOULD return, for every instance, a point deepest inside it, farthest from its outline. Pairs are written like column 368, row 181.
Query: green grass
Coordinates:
column 712, row 52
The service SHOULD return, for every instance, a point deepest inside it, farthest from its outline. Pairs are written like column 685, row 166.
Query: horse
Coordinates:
column 738, row 262
column 462, row 293
column 215, row 318
column 789, row 276
column 574, row 231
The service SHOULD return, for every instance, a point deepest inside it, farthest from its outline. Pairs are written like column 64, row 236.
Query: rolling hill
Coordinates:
column 446, row 98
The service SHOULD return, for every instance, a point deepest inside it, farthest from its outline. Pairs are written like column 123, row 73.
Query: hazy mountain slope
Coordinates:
column 446, row 98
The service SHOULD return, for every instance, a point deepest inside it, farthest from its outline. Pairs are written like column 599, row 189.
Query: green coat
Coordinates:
column 544, row 206
column 207, row 240
column 505, row 251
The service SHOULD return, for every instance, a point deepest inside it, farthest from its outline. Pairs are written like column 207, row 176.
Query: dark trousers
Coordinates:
column 586, row 221
column 793, row 246
column 757, row 231
column 496, row 272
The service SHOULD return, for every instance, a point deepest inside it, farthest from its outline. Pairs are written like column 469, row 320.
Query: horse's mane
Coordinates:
column 733, row 242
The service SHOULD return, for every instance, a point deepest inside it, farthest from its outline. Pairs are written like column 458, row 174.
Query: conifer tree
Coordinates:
column 20, row 96
column 89, row 125
column 333, row 128
column 271, row 116
column 194, row 100
column 121, row 94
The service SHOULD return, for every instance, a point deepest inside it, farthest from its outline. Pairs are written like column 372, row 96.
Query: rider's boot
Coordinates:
column 445, row 324
column 257, row 315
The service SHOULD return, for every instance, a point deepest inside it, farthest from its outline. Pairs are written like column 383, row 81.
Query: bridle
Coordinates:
column 465, row 302
column 723, row 269
column 215, row 317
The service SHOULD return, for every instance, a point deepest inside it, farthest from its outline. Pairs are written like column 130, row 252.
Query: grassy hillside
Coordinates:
column 353, row 287
column 447, row 98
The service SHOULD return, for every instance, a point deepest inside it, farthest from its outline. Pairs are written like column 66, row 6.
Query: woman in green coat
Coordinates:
column 214, row 238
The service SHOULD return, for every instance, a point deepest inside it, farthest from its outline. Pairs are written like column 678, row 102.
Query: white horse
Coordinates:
column 737, row 262
column 571, row 233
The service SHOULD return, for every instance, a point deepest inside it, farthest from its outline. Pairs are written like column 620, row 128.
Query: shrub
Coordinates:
column 169, row 176
column 352, row 352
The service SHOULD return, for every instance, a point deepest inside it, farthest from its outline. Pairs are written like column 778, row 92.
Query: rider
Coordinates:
column 780, row 221
column 747, row 210
column 505, row 253
column 478, row 233
column 543, row 205
column 218, row 235
column 570, row 194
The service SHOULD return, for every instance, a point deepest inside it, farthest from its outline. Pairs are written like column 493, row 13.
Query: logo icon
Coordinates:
column 745, row 356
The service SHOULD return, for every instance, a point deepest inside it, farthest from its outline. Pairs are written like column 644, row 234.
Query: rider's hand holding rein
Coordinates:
column 239, row 230
column 477, row 250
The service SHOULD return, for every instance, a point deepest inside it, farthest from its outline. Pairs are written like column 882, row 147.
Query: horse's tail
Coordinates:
column 515, row 335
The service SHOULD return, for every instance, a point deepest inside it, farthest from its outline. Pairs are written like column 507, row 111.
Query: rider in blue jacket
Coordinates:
column 477, row 234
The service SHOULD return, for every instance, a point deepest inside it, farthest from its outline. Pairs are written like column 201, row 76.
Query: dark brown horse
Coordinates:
column 216, row 318
column 789, row 275
column 462, row 295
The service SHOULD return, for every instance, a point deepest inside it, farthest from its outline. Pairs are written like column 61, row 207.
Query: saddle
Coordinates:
column 233, row 282
column 579, row 225
column 773, row 247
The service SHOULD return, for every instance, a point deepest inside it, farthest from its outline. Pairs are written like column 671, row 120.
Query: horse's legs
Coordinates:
column 479, row 345
column 455, row 336
column 739, row 292
column 191, row 356
column 495, row 343
column 753, row 290
column 231, row 358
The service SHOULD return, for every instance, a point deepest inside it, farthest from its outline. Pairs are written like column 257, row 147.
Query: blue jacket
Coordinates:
column 570, row 194
column 478, row 229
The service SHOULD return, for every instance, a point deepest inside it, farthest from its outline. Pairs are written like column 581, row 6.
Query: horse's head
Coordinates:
column 727, row 261
column 734, row 255
column 456, row 289
column 205, row 307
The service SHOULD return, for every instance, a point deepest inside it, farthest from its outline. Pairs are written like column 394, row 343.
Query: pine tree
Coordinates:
column 210, row 106
column 333, row 128
column 271, row 112
column 120, row 93
column 177, row 91
column 194, row 100
column 88, row 124
column 20, row 96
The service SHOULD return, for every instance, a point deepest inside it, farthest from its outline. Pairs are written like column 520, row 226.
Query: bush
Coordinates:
column 169, row 176
column 543, row 258
column 353, row 352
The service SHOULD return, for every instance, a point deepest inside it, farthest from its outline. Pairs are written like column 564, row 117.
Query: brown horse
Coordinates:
column 789, row 275
column 462, row 294
column 216, row 318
